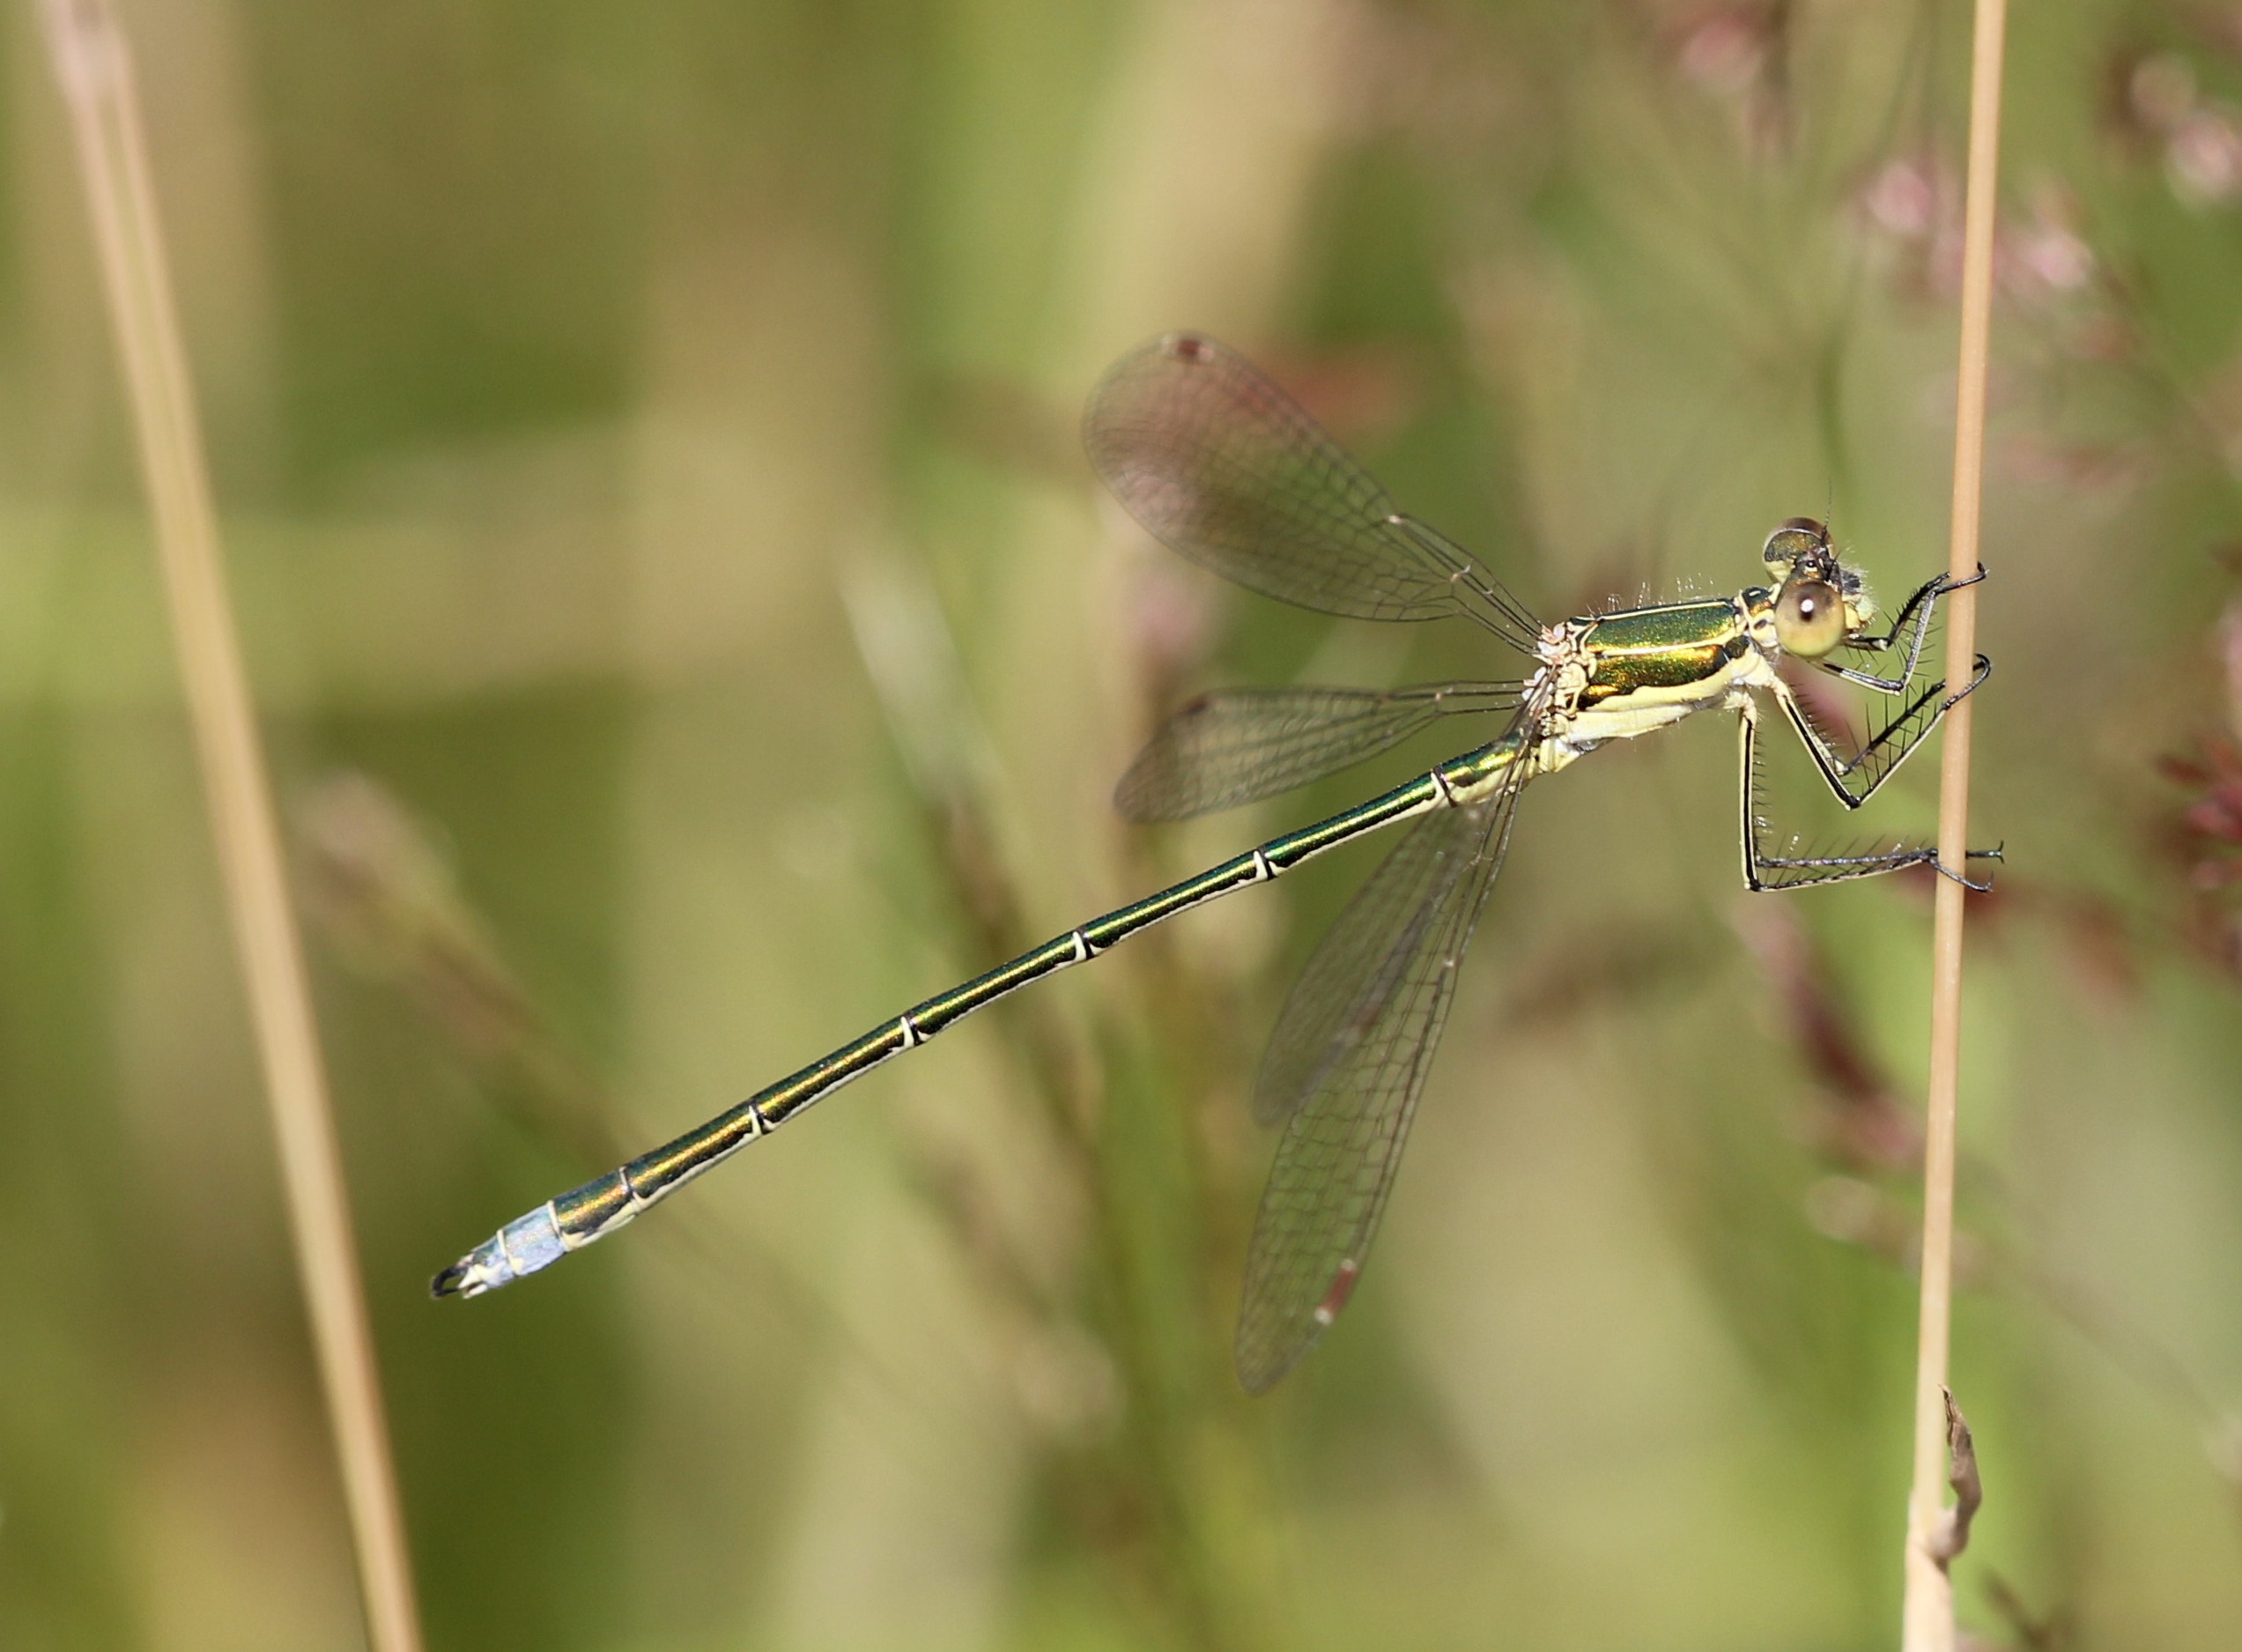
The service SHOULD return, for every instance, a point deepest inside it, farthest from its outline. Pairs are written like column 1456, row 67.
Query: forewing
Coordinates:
column 1222, row 466
column 1336, row 1164
column 1239, row 746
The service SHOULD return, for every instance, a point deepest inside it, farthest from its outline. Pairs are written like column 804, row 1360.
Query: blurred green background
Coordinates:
column 689, row 632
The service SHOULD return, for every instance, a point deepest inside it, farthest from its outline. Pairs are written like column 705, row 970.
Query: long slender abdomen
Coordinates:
column 599, row 1207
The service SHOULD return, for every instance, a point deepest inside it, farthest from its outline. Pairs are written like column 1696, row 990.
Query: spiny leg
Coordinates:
column 1914, row 618
column 1763, row 870
column 1853, row 780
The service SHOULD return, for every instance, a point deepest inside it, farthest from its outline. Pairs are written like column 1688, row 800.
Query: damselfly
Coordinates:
column 1220, row 464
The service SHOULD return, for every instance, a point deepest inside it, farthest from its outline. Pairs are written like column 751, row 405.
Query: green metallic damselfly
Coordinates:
column 1221, row 466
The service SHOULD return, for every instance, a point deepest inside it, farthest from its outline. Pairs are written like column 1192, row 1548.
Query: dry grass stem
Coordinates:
column 1928, row 1609
column 94, row 68
column 1953, row 1534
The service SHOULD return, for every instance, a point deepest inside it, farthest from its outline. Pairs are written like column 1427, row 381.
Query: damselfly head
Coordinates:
column 1819, row 602
column 1801, row 543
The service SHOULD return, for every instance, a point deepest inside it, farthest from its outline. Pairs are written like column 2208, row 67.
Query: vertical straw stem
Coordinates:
column 1928, row 1614
column 94, row 66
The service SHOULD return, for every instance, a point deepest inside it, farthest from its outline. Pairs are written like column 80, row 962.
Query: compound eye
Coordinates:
column 1810, row 620
column 1791, row 541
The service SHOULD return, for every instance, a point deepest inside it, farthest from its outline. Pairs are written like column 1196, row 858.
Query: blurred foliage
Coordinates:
column 689, row 632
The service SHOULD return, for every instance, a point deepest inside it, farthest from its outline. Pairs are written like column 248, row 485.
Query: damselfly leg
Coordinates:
column 1914, row 619
column 1765, row 869
column 1853, row 780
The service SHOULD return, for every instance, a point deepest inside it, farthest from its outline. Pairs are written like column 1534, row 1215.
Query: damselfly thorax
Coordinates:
column 1615, row 676
column 1222, row 467
column 1627, row 672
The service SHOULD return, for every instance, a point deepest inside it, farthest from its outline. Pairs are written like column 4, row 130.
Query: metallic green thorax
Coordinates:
column 1673, row 647
column 1669, row 630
